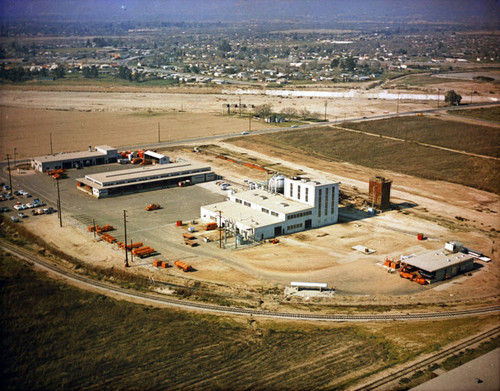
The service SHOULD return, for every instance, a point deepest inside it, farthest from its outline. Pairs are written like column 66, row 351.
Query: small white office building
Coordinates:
column 292, row 206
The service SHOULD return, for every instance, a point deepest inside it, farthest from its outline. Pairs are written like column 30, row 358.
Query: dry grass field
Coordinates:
column 335, row 144
column 57, row 336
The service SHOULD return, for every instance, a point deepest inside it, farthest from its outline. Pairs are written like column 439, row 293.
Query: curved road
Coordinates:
column 157, row 299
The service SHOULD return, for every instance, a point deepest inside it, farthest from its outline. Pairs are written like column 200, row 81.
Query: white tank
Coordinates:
column 277, row 184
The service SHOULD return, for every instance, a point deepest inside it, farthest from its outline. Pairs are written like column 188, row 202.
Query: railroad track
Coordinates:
column 156, row 299
column 422, row 364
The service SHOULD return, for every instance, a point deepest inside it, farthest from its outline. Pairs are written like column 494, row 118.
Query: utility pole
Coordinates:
column 131, row 253
column 15, row 152
column 51, row 144
column 158, row 133
column 250, row 123
column 220, row 231
column 10, row 177
column 59, row 211
column 93, row 222
column 125, row 229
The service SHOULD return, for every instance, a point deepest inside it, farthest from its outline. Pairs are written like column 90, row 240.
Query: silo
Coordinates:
column 277, row 184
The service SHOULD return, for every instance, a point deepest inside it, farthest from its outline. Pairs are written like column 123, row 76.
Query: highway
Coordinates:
column 155, row 299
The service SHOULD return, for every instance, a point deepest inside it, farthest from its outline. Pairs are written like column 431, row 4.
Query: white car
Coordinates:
column 245, row 133
column 18, row 207
column 30, row 205
column 22, row 215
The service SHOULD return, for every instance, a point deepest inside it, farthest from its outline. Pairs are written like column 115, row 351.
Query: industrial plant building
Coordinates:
column 102, row 154
column 442, row 264
column 143, row 178
column 288, row 206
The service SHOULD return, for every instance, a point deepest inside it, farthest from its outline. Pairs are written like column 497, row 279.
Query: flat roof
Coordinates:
column 309, row 284
column 75, row 155
column 154, row 154
column 312, row 182
column 243, row 214
column 69, row 156
column 143, row 174
column 106, row 147
column 480, row 374
column 438, row 259
column 272, row 201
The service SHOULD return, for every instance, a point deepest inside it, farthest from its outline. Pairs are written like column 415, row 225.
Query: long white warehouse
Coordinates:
column 261, row 214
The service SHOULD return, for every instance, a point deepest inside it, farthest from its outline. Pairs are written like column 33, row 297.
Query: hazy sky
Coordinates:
column 235, row 10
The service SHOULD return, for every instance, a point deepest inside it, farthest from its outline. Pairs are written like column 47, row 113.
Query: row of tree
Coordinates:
column 266, row 111
column 20, row 74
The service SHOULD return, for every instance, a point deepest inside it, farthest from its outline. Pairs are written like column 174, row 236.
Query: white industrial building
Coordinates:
column 106, row 184
column 156, row 157
column 103, row 154
column 442, row 264
column 291, row 205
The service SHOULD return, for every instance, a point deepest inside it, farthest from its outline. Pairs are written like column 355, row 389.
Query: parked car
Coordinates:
column 27, row 195
column 18, row 207
column 22, row 215
column 4, row 209
column 14, row 219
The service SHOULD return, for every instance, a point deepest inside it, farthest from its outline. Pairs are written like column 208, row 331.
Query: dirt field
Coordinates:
column 78, row 119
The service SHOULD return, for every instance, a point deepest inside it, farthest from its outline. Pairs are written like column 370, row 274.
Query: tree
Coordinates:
column 90, row 72
column 58, row 73
column 225, row 47
column 348, row 64
column 452, row 98
column 304, row 113
column 263, row 111
column 289, row 112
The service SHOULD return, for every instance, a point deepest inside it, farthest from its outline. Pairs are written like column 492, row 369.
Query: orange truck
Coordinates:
column 210, row 226
column 184, row 266
column 152, row 207
column 131, row 245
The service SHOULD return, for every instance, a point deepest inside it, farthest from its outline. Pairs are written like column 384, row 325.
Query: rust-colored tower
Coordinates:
column 380, row 192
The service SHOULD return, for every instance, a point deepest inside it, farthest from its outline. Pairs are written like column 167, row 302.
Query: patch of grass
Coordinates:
column 482, row 140
column 405, row 157
column 54, row 336
column 486, row 113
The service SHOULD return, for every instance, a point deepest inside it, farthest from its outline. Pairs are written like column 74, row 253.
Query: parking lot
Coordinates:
column 176, row 203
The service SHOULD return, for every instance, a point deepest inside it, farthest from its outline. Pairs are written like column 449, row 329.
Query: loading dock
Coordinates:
column 144, row 178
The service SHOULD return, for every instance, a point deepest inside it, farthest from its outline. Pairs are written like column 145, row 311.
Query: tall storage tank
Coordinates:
column 277, row 184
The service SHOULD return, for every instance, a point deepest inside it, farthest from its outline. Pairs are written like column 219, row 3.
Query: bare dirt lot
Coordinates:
column 324, row 254
column 77, row 119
